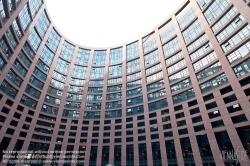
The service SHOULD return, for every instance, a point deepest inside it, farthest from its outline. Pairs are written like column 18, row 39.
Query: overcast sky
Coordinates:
column 107, row 23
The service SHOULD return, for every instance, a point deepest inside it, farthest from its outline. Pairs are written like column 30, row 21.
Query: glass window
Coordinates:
column 171, row 47
column 115, row 71
column 115, row 104
column 166, row 32
column 62, row 66
column 53, row 40
column 3, row 15
column 92, row 115
column 19, row 68
column 230, row 99
column 158, row 105
column 8, row 89
column 94, row 97
column 181, row 85
column 52, row 100
column 183, row 96
column 239, row 53
column 205, row 150
column 57, row 84
column 77, row 81
column 142, row 151
column 183, row 131
column 201, row 51
column 79, row 71
column 59, row 76
column 28, row 50
column 70, row 96
column 96, row 83
column 114, row 81
column 134, row 110
column 197, row 43
column 97, row 73
column 2, row 63
column 156, row 153
column 28, row 102
column 34, row 39
column 24, row 17
column 5, row 48
column 151, row 58
column 11, row 38
column 34, row 6
column 157, row 94
column 99, row 58
column 176, row 66
column 174, row 58
column 33, row 80
column 17, row 29
column 170, row 150
column 179, row 75
column 204, row 61
column 67, row 51
column 187, row 152
column 237, row 38
column 197, row 119
column 114, row 96
column 42, row 66
column 47, row 56
column 76, row 88
column 244, row 136
column 129, row 154
column 133, row 84
column 42, row 24
column 203, row 3
column 211, row 70
column 149, row 43
column 187, row 17
column 73, row 105
column 39, row 74
column 192, row 31
column 134, row 92
column 14, row 78
column 238, row 21
column 133, row 101
column 132, row 51
column 133, row 66
column 217, row 7
column 181, row 123
column 49, row 110
column 153, row 69
column 133, row 76
column 93, row 106
column 224, row 19
column 242, row 68
column 82, row 56
column 154, row 77
column 95, row 90
column 155, row 85
column 115, row 56
column 113, row 114
column 211, row 105
column 214, row 83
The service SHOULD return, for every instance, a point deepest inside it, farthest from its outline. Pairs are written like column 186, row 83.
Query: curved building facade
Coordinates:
column 178, row 96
